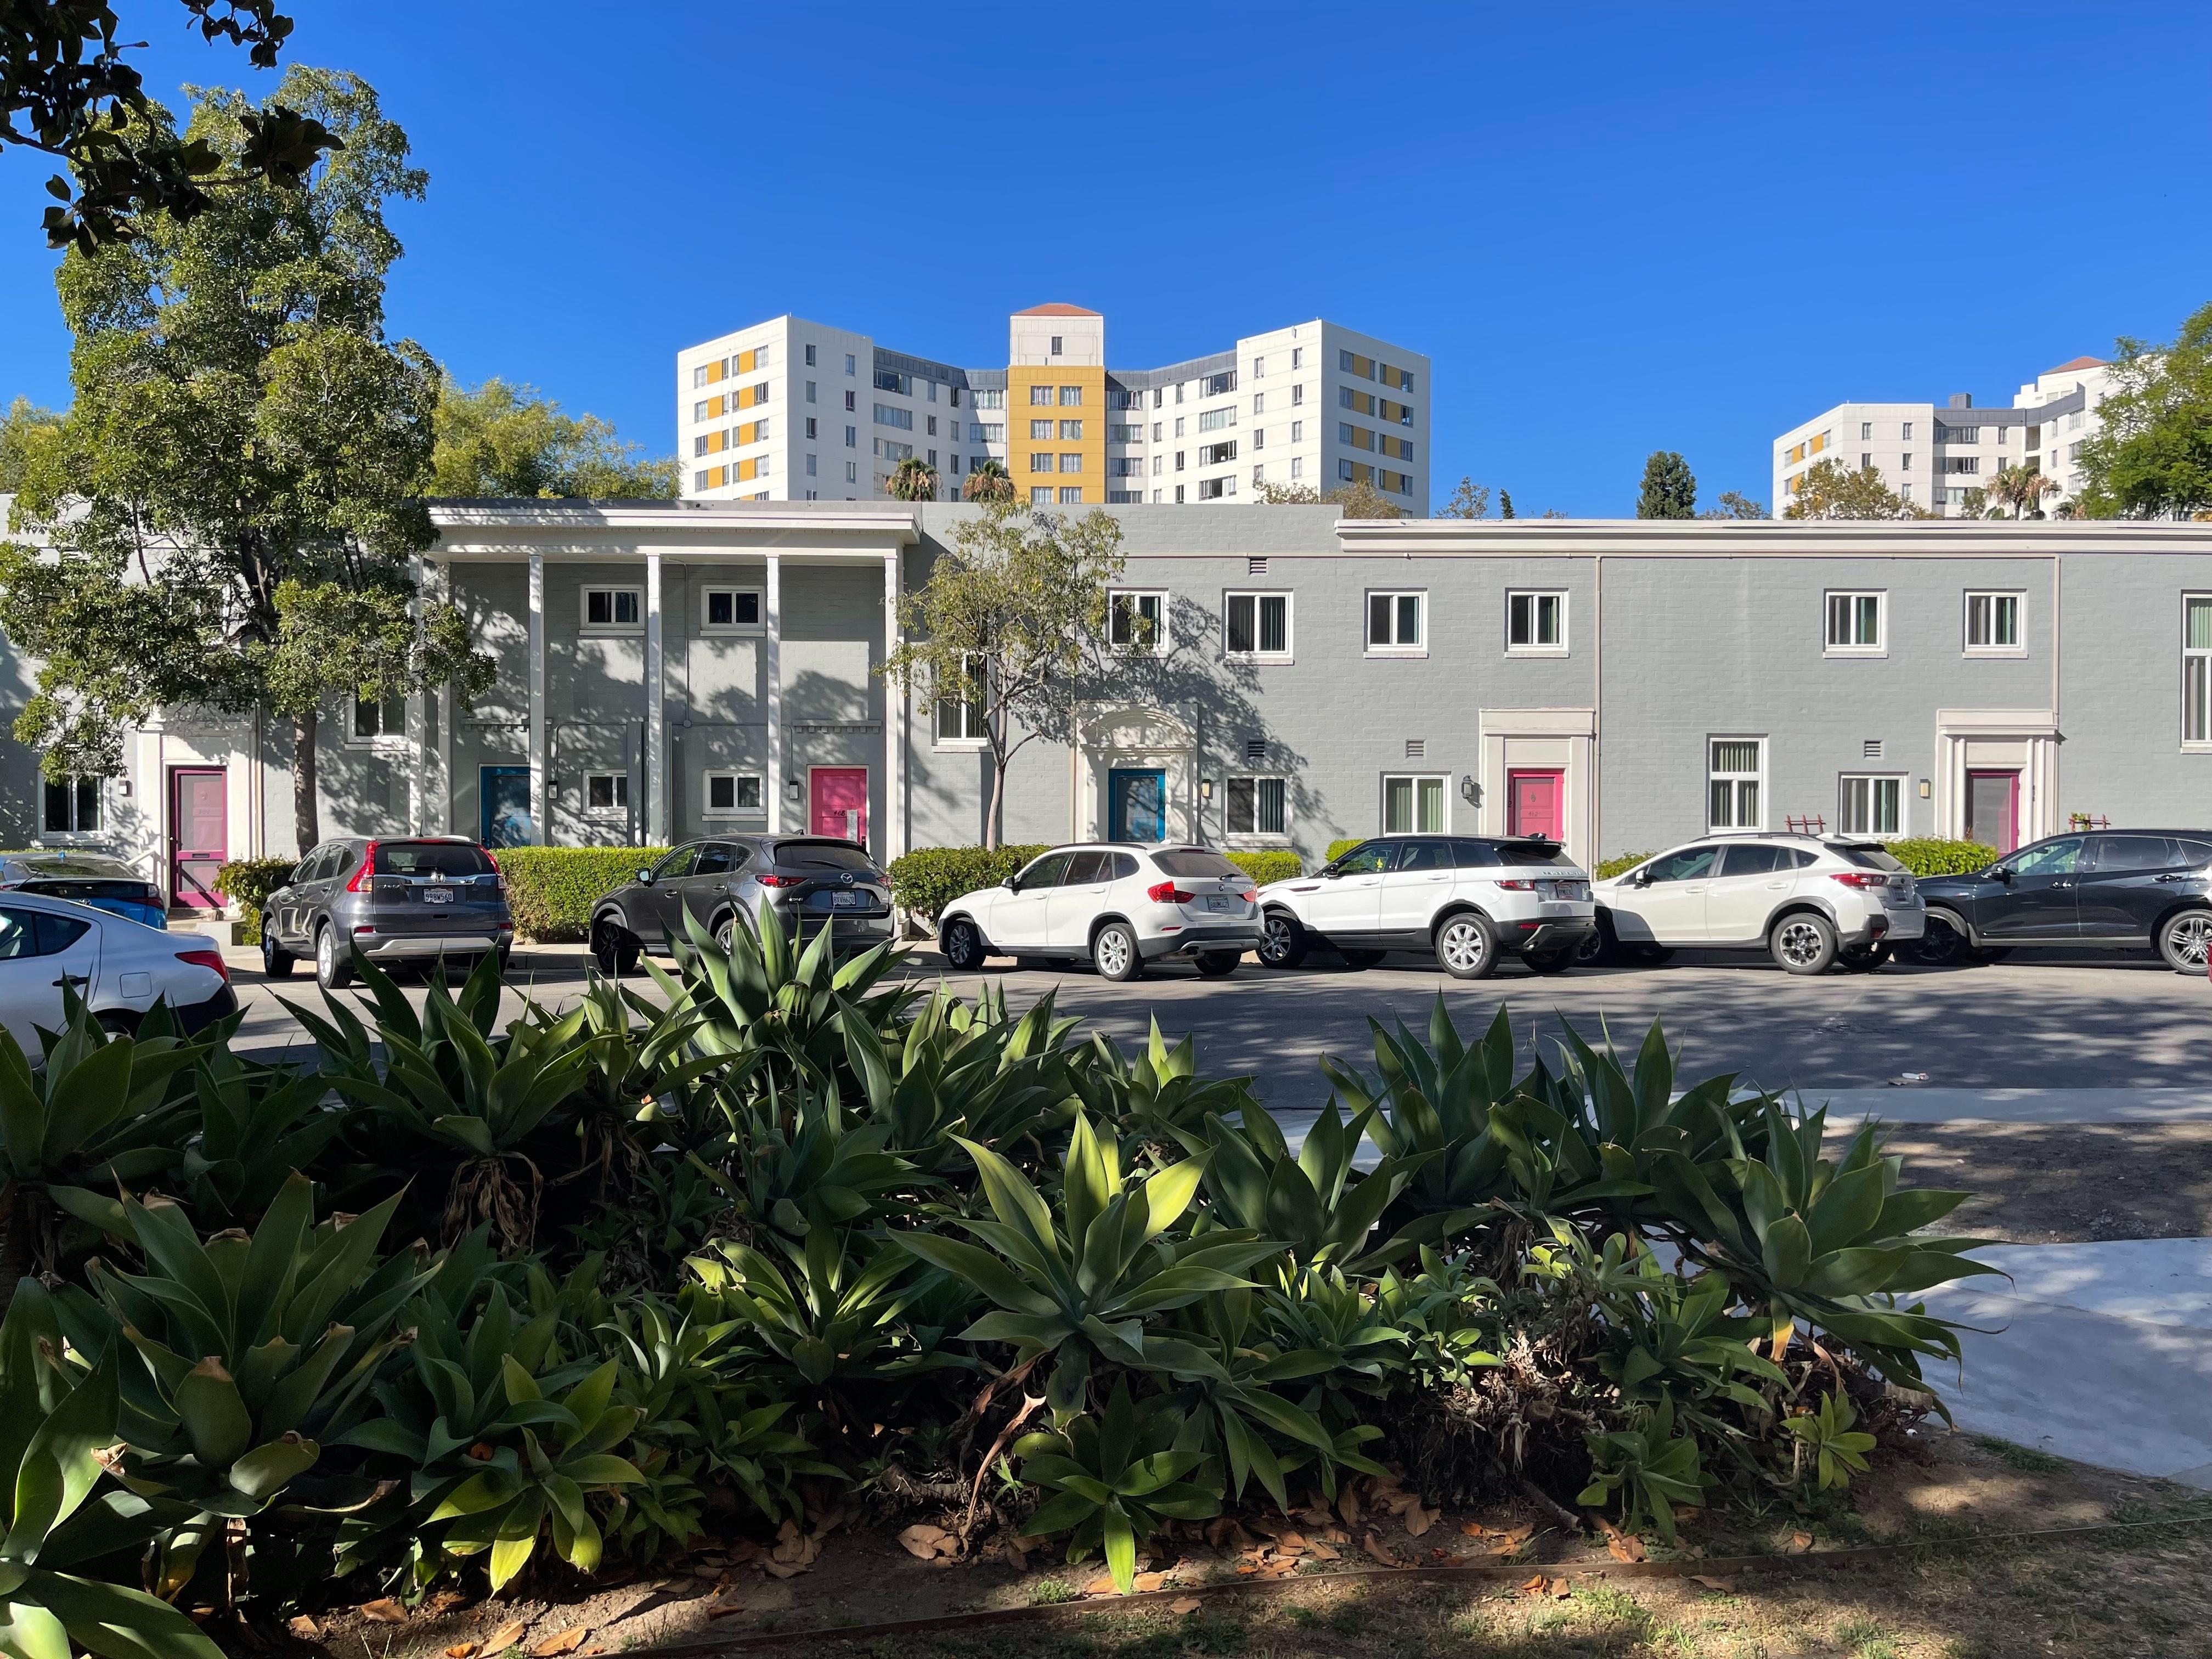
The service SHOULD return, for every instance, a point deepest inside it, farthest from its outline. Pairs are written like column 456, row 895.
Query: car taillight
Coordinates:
column 498, row 876
column 1251, row 896
column 360, row 882
column 779, row 881
column 1167, row 892
column 1858, row 878
column 1518, row 886
column 206, row 959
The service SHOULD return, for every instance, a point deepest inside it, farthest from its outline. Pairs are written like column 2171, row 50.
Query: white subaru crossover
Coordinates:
column 1471, row 899
column 1121, row 906
column 1807, row 901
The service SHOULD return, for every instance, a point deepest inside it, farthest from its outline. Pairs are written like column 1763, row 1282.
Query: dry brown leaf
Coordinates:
column 1321, row 1552
column 1337, row 1536
column 724, row 1609
column 1472, row 1528
column 782, row 1568
column 1248, row 1570
column 1100, row 1586
column 1381, row 1551
column 1723, row 1586
column 1149, row 1580
column 1419, row 1518
column 506, row 1636
column 1348, row 1505
column 462, row 1650
column 1624, row 1546
column 1184, row 1604
column 1291, row 1540
column 926, row 1542
column 742, row 1551
column 1560, row 1588
column 562, row 1641
column 383, row 1611
column 305, row 1628
column 1535, row 1586
column 1799, row 1543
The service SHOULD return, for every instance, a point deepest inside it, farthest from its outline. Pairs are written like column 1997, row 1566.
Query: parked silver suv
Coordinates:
column 811, row 881
column 413, row 900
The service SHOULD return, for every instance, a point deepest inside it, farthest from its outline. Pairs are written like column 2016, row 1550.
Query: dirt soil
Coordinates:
column 2066, row 1183
column 2144, row 1593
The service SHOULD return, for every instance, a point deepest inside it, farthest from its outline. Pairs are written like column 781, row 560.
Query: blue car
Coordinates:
column 103, row 883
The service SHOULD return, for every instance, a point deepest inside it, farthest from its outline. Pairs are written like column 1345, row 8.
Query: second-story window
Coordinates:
column 1258, row 624
column 1137, row 621
column 1397, row 622
column 1855, row 623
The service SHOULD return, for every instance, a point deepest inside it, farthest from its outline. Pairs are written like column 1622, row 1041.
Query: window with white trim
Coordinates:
column 960, row 719
column 1137, row 620
column 1397, row 622
column 377, row 720
column 1735, row 783
column 70, row 806
column 732, row 610
column 1413, row 804
column 1855, row 623
column 1993, row 621
column 1258, row 807
column 1256, row 624
column 1536, row 621
column 2197, row 668
column 735, row 795
column 606, row 792
column 1872, row 805
column 614, row 609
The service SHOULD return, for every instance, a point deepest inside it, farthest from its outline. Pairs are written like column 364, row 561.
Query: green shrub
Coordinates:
column 1608, row 868
column 551, row 889
column 926, row 880
column 1931, row 855
column 1337, row 850
column 248, row 883
column 1264, row 867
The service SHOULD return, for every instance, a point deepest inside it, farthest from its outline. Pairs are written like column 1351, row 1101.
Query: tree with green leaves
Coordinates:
column 66, row 91
column 24, row 429
column 2020, row 488
column 990, row 484
column 2151, row 456
column 233, row 505
column 1469, row 500
column 1011, row 625
column 500, row 439
column 914, row 480
column 1354, row 501
column 1669, row 490
column 1829, row 490
column 1733, row 505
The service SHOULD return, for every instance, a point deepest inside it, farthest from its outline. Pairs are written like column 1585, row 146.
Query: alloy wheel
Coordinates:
column 2188, row 940
column 1113, row 952
column 1463, row 945
column 1275, row 938
column 1800, row 943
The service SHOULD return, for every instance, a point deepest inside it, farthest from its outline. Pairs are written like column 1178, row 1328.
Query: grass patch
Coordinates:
column 2024, row 1458
column 1051, row 1592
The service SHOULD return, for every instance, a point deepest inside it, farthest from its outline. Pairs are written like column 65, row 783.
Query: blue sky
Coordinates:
column 1614, row 228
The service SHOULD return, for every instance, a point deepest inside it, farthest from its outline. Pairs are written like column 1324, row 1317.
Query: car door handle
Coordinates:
column 1777, row 886
column 1444, row 878
column 2180, row 876
column 74, row 979
column 1699, row 888
column 2061, row 884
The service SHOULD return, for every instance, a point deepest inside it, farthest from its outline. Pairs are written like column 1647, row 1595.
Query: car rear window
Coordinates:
column 451, row 859
column 96, row 868
column 1528, row 852
column 822, row 855
column 1193, row 862
column 1869, row 857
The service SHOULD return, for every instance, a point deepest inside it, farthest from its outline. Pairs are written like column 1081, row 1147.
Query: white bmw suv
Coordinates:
column 1471, row 899
column 1808, row 901
column 1122, row 906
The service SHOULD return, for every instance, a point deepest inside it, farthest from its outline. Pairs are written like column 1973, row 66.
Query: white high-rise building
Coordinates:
column 789, row 411
column 1933, row 454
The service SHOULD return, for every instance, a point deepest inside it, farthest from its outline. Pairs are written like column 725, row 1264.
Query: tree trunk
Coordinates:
column 307, row 819
column 994, row 824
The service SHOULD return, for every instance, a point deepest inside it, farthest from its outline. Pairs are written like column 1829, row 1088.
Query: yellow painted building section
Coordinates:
column 1089, row 384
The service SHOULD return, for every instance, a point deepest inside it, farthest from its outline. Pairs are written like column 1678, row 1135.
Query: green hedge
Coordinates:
column 1930, row 855
column 551, row 889
column 1337, row 850
column 248, row 883
column 1264, row 867
column 926, row 880
column 1608, row 868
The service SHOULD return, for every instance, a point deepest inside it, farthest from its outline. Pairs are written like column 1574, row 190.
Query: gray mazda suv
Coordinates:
column 412, row 899
column 723, row 880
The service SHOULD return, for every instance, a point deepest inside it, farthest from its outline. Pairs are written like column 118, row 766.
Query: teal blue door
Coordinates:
column 503, row 806
column 1137, row 804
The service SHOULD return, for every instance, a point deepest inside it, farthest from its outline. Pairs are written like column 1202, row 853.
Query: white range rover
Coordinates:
column 1122, row 906
column 1471, row 899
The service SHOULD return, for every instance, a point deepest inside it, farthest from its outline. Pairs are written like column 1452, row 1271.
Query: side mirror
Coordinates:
column 2000, row 872
column 1012, row 883
column 645, row 878
column 292, row 875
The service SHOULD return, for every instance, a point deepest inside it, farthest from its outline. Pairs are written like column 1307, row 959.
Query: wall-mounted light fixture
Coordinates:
column 1925, row 791
column 1469, row 790
column 792, row 792
column 1206, row 788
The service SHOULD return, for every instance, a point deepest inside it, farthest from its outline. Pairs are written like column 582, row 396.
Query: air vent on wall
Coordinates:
column 1256, row 750
column 1871, row 748
column 1255, row 567
column 1416, row 748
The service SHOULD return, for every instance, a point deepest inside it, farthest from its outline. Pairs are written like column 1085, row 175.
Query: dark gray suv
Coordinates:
column 409, row 901
column 723, row 880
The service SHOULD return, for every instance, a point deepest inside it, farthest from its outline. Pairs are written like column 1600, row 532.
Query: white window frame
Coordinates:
column 1880, row 646
column 709, row 810
column 2019, row 646
column 1256, row 836
column 586, row 628
column 380, row 742
column 1289, row 625
column 705, row 608
column 74, row 832
column 619, row 808
column 1419, row 648
column 1866, row 786
column 1441, row 779
column 2196, row 682
column 1535, row 596
column 1756, row 778
column 972, row 713
column 1159, row 645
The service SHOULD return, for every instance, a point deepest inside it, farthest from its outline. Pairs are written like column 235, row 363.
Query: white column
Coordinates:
column 656, row 710
column 772, row 674
column 441, row 815
column 893, row 840
column 537, row 792
column 417, row 716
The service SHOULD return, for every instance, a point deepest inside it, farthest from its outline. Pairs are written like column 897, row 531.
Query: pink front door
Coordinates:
column 1532, row 805
column 1993, row 809
column 840, row 797
column 199, row 835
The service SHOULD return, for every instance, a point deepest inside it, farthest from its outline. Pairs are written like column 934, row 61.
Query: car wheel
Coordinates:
column 613, row 953
column 1652, row 956
column 1283, row 943
column 1217, row 964
column 1467, row 947
column 275, row 960
column 1803, row 942
column 1360, row 958
column 1866, row 958
column 964, row 945
column 1550, row 962
column 1598, row 947
column 2185, row 939
column 1943, row 944
column 726, row 934
column 333, row 971
column 118, row 1022
column 1114, row 953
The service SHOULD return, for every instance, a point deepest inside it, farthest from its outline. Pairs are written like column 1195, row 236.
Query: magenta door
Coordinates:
column 199, row 835
column 1993, row 809
column 840, row 797
column 1533, row 806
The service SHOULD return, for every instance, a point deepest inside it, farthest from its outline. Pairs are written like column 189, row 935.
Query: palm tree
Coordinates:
column 990, row 482
column 914, row 480
column 2021, row 488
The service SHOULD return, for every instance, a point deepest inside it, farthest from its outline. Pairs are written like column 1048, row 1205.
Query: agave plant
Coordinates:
column 1116, row 1478
column 1829, row 1440
column 959, row 1068
column 1158, row 1095
column 1079, row 1286
column 60, row 1511
column 1316, row 1202
column 1649, row 1468
column 799, row 1160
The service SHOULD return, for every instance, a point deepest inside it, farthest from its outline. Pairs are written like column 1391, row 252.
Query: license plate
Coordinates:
column 437, row 895
column 841, row 901
column 1217, row 903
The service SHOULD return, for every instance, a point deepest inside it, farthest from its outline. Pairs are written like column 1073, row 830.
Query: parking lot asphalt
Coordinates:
column 2091, row 1022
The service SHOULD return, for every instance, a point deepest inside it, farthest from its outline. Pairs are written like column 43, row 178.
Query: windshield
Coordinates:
column 1190, row 863
column 822, row 855
column 1871, row 857
column 455, row 861
column 99, row 868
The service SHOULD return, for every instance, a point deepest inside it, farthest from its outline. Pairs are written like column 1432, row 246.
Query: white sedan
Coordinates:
column 1121, row 906
column 121, row 968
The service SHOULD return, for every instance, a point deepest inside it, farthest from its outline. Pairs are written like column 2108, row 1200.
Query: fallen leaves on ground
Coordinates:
column 795, row 1552
column 926, row 1543
column 386, row 1610
column 562, row 1641
column 1799, row 1543
column 1557, row 1588
column 462, row 1650
column 506, row 1636
column 1723, row 1586
column 1382, row 1553
column 1184, row 1604
column 305, row 1628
